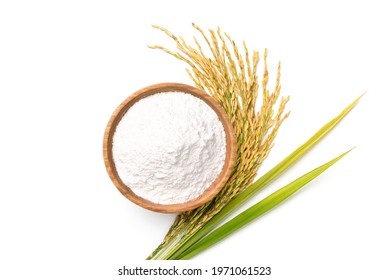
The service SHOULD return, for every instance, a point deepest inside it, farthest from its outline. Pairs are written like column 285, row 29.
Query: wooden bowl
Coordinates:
column 208, row 193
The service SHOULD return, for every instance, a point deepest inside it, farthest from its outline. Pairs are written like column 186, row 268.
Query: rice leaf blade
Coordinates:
column 275, row 172
column 256, row 210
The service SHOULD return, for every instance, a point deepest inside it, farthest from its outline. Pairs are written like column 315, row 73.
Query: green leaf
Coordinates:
column 256, row 210
column 264, row 180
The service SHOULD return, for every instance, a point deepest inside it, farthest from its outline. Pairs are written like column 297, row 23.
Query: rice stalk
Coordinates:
column 231, row 78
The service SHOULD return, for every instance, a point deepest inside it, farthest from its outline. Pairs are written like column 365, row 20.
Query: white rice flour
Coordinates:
column 169, row 147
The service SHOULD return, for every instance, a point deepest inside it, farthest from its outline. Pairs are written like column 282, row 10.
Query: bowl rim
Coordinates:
column 212, row 190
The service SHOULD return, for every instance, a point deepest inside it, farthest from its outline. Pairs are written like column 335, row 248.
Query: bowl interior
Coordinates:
column 211, row 191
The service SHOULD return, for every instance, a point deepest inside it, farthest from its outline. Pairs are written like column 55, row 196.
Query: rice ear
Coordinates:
column 217, row 66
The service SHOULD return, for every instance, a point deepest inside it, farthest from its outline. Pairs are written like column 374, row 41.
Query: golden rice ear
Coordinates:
column 217, row 66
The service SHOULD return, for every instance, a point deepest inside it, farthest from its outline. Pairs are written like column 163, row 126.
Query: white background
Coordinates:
column 66, row 65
